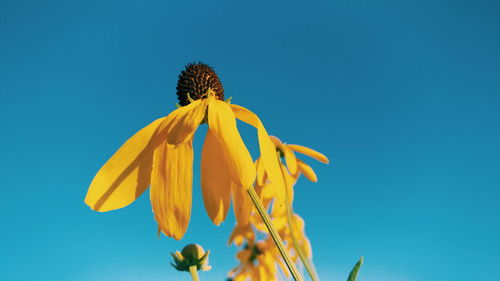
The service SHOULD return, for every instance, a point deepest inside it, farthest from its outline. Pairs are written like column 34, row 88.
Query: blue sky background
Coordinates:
column 403, row 96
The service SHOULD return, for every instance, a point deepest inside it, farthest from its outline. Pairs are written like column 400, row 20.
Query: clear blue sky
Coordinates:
column 403, row 96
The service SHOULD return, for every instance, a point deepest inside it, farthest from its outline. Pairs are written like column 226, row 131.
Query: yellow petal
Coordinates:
column 126, row 174
column 281, row 223
column 267, row 194
column 269, row 158
column 222, row 123
column 291, row 161
column 307, row 171
column 277, row 142
column 244, row 255
column 298, row 223
column 240, row 277
column 242, row 204
column 263, row 273
column 215, row 179
column 186, row 121
column 171, row 182
column 260, row 172
column 309, row 152
column 281, row 209
column 241, row 233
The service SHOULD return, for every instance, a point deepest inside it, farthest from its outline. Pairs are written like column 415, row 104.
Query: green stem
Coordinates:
column 305, row 261
column 307, row 264
column 194, row 273
column 274, row 234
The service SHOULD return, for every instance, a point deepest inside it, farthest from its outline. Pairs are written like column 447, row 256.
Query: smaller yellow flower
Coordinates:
column 258, row 262
column 295, row 165
column 281, row 223
column 242, row 233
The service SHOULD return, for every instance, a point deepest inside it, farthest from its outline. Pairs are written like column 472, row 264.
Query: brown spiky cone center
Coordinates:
column 195, row 81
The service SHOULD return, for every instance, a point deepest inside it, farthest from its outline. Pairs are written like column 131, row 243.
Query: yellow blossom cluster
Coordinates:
column 260, row 259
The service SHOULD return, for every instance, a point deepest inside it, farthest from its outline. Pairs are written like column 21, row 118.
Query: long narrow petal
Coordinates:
column 260, row 172
column 269, row 157
column 309, row 152
column 171, row 182
column 187, row 121
column 126, row 174
column 291, row 161
column 307, row 171
column 277, row 142
column 287, row 192
column 242, row 205
column 222, row 123
column 215, row 179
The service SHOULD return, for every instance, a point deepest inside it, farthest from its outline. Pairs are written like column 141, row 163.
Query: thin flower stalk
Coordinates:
column 305, row 261
column 309, row 266
column 194, row 273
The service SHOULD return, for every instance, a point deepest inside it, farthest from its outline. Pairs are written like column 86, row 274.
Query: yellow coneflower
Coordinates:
column 295, row 165
column 241, row 233
column 258, row 261
column 282, row 225
column 161, row 156
column 289, row 225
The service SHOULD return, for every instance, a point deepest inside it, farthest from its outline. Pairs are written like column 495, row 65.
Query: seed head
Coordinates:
column 195, row 81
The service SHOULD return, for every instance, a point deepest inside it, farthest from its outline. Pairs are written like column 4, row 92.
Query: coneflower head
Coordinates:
column 195, row 81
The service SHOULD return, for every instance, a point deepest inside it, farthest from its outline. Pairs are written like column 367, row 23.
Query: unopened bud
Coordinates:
column 191, row 255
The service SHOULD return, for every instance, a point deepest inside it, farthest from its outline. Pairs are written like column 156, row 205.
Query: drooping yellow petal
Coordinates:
column 240, row 277
column 299, row 223
column 187, row 120
column 222, row 123
column 307, row 171
column 280, row 223
column 291, row 161
column 126, row 174
column 309, row 152
column 267, row 194
column 244, row 255
column 260, row 172
column 277, row 142
column 269, row 157
column 264, row 269
column 242, row 204
column 281, row 210
column 171, row 181
column 215, row 179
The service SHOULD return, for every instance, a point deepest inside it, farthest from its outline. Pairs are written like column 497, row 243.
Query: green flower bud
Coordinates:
column 191, row 255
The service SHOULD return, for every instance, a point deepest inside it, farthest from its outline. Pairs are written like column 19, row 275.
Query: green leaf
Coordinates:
column 354, row 272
